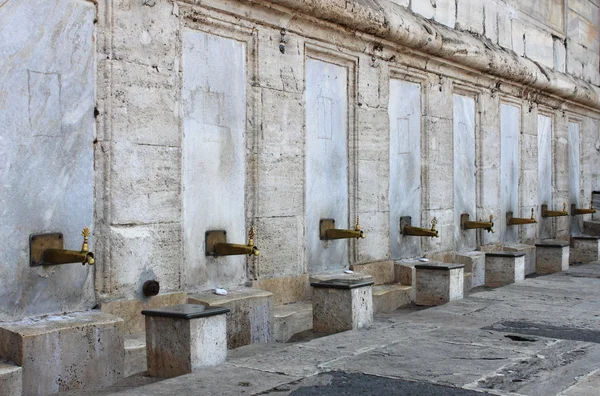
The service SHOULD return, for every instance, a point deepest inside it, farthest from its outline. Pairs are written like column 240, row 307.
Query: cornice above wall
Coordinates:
column 389, row 21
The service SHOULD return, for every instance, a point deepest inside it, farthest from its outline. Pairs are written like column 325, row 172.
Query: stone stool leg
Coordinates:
column 585, row 249
column 342, row 305
column 184, row 337
column 551, row 256
column 504, row 268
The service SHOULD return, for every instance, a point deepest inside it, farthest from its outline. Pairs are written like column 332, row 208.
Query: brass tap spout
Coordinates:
column 53, row 256
column 407, row 229
column 473, row 225
column 554, row 213
column 519, row 220
column 216, row 245
column 581, row 211
column 329, row 232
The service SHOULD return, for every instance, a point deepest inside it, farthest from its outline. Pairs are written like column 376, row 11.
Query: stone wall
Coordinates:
column 143, row 184
column 47, row 91
column 142, row 115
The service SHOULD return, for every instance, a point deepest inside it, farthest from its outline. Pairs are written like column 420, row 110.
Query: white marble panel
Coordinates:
column 510, row 128
column 405, row 165
column 326, row 162
column 47, row 95
column 214, row 163
column 545, row 172
column 574, row 175
column 464, row 170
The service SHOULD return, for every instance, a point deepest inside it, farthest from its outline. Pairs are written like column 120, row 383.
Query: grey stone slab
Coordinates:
column 548, row 372
column 222, row 380
column 296, row 360
column 339, row 382
column 432, row 358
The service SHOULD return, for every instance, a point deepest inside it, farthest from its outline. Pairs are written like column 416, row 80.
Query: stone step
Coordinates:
column 388, row 298
column 11, row 380
column 135, row 353
column 382, row 272
column 291, row 319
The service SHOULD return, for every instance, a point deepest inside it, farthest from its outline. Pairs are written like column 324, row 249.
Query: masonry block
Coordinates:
column 584, row 249
column 439, row 283
column 184, row 337
column 82, row 350
column 342, row 304
column 530, row 252
column 504, row 268
column 250, row 319
column 551, row 256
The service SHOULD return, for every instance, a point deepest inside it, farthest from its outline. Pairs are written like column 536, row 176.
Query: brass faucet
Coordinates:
column 510, row 220
column 216, row 244
column 58, row 255
column 575, row 211
column 465, row 224
column 327, row 231
column 407, row 229
column 554, row 213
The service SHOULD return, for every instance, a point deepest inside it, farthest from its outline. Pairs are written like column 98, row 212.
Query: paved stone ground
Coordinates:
column 538, row 337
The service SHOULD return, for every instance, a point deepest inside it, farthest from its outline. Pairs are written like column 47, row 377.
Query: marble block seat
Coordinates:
column 584, row 249
column 184, row 337
column 551, row 256
column 250, row 320
column 503, row 268
column 438, row 283
column 342, row 304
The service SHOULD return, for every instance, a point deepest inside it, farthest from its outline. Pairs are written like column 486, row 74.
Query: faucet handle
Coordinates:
column 85, row 234
column 491, row 229
column 532, row 215
column 357, row 228
column 433, row 223
column 251, row 235
column 564, row 207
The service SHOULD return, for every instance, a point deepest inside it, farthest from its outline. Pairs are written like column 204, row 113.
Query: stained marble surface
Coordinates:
column 47, row 95
column 510, row 127
column 405, row 165
column 545, row 172
column 574, row 175
column 326, row 162
column 464, row 170
column 214, row 127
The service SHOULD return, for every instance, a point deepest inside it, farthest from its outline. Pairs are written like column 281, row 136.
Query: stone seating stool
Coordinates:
column 503, row 268
column 184, row 337
column 584, row 249
column 342, row 304
column 551, row 256
column 438, row 283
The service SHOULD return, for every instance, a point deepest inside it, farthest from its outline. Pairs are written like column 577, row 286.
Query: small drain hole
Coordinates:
column 520, row 338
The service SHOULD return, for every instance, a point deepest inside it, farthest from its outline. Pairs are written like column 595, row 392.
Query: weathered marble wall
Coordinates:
column 326, row 162
column 545, row 167
column 574, row 147
column 464, row 171
column 510, row 132
column 214, row 156
column 47, row 91
column 405, row 165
